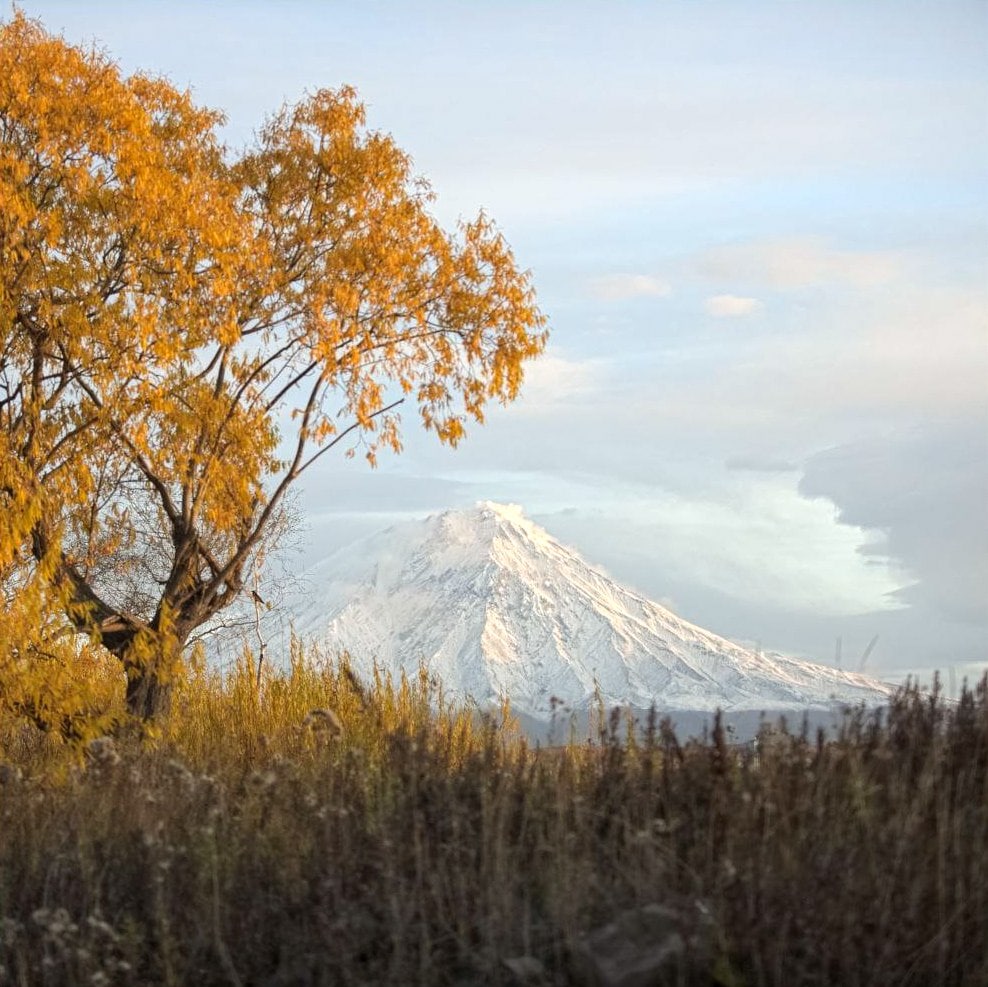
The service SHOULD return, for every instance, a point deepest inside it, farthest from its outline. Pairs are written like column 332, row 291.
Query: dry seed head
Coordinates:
column 182, row 774
column 10, row 774
column 102, row 927
column 324, row 721
column 261, row 779
column 103, row 750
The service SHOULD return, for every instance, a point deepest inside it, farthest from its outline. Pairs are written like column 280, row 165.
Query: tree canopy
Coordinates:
column 185, row 328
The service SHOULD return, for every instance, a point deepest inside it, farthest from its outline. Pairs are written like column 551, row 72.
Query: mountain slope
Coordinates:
column 495, row 606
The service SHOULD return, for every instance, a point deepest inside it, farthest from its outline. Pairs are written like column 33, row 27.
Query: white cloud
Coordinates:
column 924, row 490
column 620, row 287
column 799, row 262
column 730, row 306
column 553, row 381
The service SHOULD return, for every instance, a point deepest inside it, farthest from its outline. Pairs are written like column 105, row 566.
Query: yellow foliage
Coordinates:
column 166, row 304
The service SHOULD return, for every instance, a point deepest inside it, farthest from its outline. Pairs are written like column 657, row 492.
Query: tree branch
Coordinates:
column 141, row 462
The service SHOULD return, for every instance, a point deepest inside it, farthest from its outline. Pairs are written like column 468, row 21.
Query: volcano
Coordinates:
column 496, row 607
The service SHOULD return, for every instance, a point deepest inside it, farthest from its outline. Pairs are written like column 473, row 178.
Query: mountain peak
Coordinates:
column 495, row 606
column 488, row 516
column 508, row 512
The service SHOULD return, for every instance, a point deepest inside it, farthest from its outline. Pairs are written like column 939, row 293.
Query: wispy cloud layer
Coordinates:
column 620, row 287
column 554, row 382
column 731, row 306
column 799, row 262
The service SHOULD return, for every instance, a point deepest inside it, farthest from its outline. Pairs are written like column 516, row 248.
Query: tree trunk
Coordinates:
column 149, row 695
column 150, row 677
column 149, row 655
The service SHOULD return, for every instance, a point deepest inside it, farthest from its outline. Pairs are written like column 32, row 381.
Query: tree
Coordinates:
column 184, row 330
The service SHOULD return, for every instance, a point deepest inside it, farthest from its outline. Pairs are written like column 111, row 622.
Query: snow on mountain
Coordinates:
column 495, row 606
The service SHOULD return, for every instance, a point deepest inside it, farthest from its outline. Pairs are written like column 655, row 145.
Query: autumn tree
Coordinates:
column 185, row 329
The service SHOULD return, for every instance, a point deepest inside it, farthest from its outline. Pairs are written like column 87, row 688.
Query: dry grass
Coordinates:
column 395, row 840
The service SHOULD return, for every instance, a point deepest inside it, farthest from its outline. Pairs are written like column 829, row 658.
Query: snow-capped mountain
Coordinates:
column 495, row 606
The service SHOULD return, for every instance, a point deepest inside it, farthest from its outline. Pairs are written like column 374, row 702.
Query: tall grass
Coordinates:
column 310, row 829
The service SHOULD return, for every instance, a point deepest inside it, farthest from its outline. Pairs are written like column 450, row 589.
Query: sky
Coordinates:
column 760, row 234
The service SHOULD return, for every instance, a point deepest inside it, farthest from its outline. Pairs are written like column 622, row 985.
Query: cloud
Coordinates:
column 554, row 381
column 730, row 306
column 837, row 369
column 755, row 538
column 799, row 262
column 760, row 464
column 620, row 287
column 924, row 493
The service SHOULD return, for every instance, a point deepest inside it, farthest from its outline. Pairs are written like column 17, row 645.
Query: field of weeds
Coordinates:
column 306, row 829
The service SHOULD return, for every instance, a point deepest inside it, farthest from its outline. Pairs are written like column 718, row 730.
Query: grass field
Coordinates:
column 306, row 829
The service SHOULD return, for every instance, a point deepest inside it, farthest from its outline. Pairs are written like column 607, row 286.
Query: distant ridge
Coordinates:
column 495, row 606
